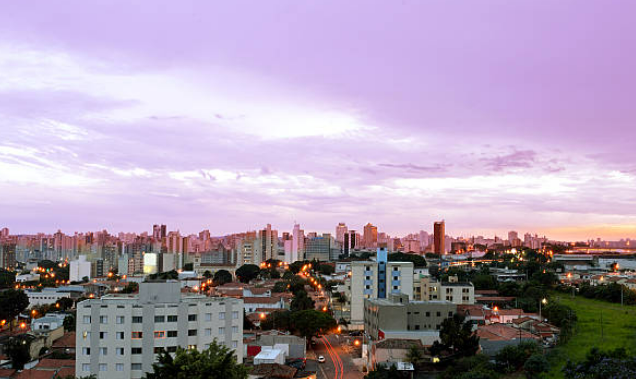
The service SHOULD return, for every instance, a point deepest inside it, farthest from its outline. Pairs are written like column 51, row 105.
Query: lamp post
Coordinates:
column 543, row 301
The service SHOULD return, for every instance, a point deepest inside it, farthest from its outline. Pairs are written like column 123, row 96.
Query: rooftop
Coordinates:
column 394, row 343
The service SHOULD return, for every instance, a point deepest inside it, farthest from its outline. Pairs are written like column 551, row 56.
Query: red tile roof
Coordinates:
column 261, row 300
column 67, row 340
column 55, row 363
column 502, row 332
column 66, row 372
column 6, row 372
column 35, row 374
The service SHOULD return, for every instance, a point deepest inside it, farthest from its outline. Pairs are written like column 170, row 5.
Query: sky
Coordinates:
column 492, row 115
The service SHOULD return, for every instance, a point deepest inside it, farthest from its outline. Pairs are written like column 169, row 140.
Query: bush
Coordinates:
column 535, row 366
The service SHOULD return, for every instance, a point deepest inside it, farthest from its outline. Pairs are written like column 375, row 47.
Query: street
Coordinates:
column 339, row 364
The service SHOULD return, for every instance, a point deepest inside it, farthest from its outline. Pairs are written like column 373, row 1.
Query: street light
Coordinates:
column 543, row 301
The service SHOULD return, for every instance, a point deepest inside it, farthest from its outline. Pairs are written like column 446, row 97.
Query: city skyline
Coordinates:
column 206, row 116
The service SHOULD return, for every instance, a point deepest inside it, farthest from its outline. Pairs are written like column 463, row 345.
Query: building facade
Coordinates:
column 119, row 336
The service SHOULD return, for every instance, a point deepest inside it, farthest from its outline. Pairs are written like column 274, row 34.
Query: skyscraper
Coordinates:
column 370, row 236
column 298, row 244
column 341, row 230
column 158, row 232
column 349, row 242
column 439, row 237
column 268, row 240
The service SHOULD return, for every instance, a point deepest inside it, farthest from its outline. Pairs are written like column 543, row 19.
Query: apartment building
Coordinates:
column 398, row 314
column 426, row 288
column 370, row 280
column 119, row 336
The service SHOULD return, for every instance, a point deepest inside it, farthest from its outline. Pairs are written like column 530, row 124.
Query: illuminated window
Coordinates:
column 136, row 335
column 160, row 334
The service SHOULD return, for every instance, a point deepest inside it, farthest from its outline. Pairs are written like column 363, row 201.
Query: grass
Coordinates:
column 619, row 330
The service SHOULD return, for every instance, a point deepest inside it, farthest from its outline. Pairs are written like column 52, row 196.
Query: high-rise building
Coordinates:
column 378, row 279
column 349, row 242
column 341, row 230
column 4, row 233
column 370, row 236
column 78, row 269
column 159, row 232
column 8, row 256
column 298, row 244
column 120, row 336
column 268, row 243
column 318, row 248
column 439, row 237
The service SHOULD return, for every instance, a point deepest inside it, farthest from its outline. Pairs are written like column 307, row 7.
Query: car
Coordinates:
column 321, row 359
column 356, row 333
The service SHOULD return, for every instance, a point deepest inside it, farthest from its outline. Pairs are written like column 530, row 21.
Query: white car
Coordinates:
column 321, row 359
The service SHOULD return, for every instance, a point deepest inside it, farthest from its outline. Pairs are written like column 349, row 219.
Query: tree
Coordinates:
column 12, row 302
column 130, row 287
column 413, row 355
column 247, row 323
column 165, row 275
column 221, row 277
column 327, row 269
column 382, row 372
column 457, row 337
column 207, row 274
column 535, row 366
column 247, row 272
column 309, row 323
column 301, row 302
column 18, row 349
column 217, row 361
column 69, row 323
column 7, row 278
column 484, row 282
column 280, row 287
column 417, row 260
column 511, row 358
column 280, row 320
column 600, row 364
column 65, row 303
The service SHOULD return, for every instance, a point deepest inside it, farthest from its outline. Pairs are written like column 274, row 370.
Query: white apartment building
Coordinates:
column 119, row 336
column 371, row 280
column 79, row 268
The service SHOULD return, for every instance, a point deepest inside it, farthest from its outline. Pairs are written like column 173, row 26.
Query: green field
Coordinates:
column 618, row 330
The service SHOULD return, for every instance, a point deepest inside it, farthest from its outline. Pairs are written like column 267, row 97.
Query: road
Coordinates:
column 339, row 364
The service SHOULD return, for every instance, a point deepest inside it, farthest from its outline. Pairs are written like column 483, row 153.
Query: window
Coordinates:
column 103, row 319
column 103, row 335
column 135, row 366
column 428, row 314
column 86, row 367
column 119, row 351
column 87, row 335
column 172, row 333
column 158, row 349
column 103, row 351
column 192, row 317
column 222, row 316
column 192, row 332
column 102, row 367
column 235, row 329
column 234, row 344
column 417, row 327
column 439, row 314
column 235, row 315
column 135, row 350
column 119, row 367
column 160, row 334
column 172, row 349
column 137, row 335
column 119, row 319
column 86, row 350
column 450, row 314
column 192, row 347
column 119, row 335
column 160, row 318
column 395, row 287
column 208, row 332
column 137, row 319
column 86, row 319
column 395, row 268
column 208, row 317
column 221, row 330
column 172, row 318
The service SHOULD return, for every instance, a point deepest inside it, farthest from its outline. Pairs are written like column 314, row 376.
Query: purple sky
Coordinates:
column 491, row 114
